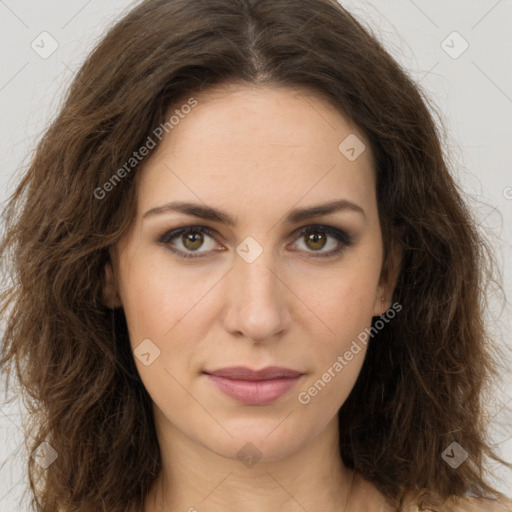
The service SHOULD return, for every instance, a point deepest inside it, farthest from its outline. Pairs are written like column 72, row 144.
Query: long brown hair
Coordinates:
column 424, row 375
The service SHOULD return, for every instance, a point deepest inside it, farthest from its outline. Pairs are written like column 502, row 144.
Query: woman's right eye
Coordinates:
column 191, row 238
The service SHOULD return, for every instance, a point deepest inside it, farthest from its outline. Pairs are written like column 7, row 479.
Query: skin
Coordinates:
column 255, row 153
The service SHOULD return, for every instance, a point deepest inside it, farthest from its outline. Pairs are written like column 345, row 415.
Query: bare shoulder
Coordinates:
column 473, row 504
column 463, row 504
column 372, row 499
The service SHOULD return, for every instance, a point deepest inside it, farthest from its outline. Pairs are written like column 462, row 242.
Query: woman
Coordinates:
column 244, row 277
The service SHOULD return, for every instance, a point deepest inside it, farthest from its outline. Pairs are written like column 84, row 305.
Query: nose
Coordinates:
column 257, row 300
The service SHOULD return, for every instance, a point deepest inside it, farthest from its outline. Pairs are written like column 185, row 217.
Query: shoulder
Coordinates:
column 372, row 498
column 464, row 504
column 473, row 504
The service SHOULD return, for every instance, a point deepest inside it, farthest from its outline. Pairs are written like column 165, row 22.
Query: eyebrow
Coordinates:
column 215, row 215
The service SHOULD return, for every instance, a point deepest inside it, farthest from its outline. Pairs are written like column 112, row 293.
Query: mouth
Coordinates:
column 254, row 387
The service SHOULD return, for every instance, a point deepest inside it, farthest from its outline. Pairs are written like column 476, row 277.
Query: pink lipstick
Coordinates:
column 254, row 387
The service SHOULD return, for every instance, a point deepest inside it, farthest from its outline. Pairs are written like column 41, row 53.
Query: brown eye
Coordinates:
column 192, row 240
column 315, row 240
column 323, row 241
column 187, row 242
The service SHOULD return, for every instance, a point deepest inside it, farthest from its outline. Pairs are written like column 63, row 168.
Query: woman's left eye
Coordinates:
column 316, row 238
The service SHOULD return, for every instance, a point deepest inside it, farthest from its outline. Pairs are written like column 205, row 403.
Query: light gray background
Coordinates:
column 472, row 92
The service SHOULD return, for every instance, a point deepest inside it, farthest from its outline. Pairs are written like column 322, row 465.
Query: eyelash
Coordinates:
column 342, row 237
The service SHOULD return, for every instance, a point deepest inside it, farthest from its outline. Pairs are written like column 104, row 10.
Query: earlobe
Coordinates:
column 388, row 280
column 380, row 305
column 110, row 297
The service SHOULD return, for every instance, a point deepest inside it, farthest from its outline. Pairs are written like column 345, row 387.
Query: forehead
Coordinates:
column 246, row 144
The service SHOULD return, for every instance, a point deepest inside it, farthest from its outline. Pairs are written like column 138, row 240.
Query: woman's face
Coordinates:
column 252, row 290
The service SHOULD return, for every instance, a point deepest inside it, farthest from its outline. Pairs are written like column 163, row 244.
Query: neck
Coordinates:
column 194, row 478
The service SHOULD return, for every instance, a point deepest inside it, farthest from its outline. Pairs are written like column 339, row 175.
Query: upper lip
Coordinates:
column 244, row 373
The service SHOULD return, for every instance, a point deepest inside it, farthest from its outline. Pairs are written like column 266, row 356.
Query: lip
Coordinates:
column 254, row 387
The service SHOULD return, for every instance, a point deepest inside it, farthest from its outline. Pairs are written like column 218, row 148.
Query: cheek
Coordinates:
column 346, row 313
column 158, row 305
column 155, row 296
column 345, row 305
column 345, row 300
column 163, row 305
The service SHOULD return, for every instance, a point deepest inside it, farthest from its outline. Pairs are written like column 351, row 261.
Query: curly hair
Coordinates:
column 423, row 377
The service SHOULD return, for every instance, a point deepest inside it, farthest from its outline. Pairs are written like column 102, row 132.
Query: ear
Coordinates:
column 388, row 279
column 111, row 297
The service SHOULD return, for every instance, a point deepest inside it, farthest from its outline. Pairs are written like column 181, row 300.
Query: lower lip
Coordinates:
column 254, row 392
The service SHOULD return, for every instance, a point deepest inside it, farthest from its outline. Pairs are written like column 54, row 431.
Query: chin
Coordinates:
column 261, row 442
